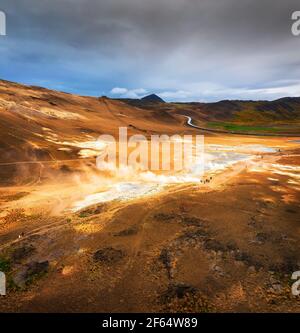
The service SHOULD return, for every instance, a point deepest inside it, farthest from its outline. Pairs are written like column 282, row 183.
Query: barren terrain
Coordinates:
column 73, row 239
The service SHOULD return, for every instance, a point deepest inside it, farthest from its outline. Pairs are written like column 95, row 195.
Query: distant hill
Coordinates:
column 278, row 116
column 32, row 111
column 153, row 98
column 283, row 109
column 146, row 102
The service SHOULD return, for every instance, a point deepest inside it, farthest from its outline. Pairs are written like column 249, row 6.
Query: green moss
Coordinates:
column 36, row 271
column 241, row 128
column 11, row 285
column 5, row 265
column 84, row 214
column 34, row 278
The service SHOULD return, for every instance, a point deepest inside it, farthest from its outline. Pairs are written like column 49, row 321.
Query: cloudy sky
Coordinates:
column 186, row 50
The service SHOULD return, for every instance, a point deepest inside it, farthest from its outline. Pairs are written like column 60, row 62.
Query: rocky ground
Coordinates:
column 229, row 243
column 230, row 246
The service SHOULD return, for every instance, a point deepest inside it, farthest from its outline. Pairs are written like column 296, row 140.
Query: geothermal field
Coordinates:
column 221, row 236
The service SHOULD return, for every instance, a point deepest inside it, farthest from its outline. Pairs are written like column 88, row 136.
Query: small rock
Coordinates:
column 273, row 280
column 109, row 255
column 277, row 287
column 165, row 258
column 252, row 269
column 36, row 268
column 218, row 270
column 261, row 238
column 179, row 290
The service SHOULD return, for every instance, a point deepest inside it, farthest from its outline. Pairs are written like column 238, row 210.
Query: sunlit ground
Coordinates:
column 222, row 158
column 233, row 223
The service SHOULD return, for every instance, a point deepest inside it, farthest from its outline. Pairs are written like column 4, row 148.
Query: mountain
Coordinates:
column 153, row 98
column 43, row 124
column 283, row 110
column 146, row 102
column 246, row 116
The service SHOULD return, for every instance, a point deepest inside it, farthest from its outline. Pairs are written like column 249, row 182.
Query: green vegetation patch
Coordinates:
column 240, row 128
column 5, row 265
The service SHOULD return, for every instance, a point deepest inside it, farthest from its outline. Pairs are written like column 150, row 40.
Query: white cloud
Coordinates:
column 118, row 91
column 126, row 93
column 206, row 92
column 178, row 94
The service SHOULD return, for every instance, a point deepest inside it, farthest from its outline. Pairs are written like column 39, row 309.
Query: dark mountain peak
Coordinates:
column 288, row 99
column 153, row 98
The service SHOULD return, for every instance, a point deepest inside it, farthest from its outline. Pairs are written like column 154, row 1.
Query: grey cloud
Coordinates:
column 163, row 45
